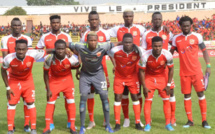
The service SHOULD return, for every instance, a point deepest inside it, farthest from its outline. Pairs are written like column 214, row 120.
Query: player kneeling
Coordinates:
column 152, row 73
column 20, row 82
column 58, row 78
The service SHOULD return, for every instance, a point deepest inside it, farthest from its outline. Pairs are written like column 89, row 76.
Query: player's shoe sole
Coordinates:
column 27, row 128
column 147, row 128
column 188, row 124
column 205, row 125
column 109, row 129
column 117, row 127
column 169, row 127
column 52, row 126
column 82, row 130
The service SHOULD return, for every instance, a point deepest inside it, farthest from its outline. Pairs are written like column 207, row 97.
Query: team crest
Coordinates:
column 67, row 66
column 134, row 33
column 192, row 41
column 134, row 58
column 164, row 37
column 98, row 54
column 162, row 62
column 101, row 38
column 28, row 64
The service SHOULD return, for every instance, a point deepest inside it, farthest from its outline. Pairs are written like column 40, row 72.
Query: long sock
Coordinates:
column 82, row 109
column 147, row 111
column 26, row 114
column 136, row 107
column 109, row 104
column 141, row 102
column 11, row 111
column 203, row 107
column 72, row 112
column 33, row 115
column 52, row 119
column 188, row 108
column 67, row 111
column 106, row 108
column 173, row 107
column 90, row 106
column 117, row 111
column 167, row 110
column 125, row 104
column 48, row 114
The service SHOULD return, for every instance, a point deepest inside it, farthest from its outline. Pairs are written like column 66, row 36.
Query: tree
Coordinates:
column 51, row 2
column 15, row 11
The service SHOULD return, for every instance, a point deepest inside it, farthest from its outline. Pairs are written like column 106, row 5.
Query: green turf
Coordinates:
column 158, row 121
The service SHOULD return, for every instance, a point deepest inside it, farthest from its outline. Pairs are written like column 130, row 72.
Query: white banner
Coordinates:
column 165, row 7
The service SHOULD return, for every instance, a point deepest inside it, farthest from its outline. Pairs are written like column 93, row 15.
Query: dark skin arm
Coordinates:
column 142, row 79
column 207, row 60
column 170, row 76
column 5, row 79
column 46, row 80
column 4, row 53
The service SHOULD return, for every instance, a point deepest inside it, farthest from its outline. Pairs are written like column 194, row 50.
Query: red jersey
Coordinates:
column 126, row 64
column 136, row 31
column 48, row 40
column 188, row 47
column 60, row 68
column 147, row 39
column 156, row 66
column 21, row 70
column 8, row 43
column 103, row 35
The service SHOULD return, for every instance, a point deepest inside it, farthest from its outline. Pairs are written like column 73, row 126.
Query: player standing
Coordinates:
column 188, row 44
column 47, row 41
column 137, row 32
column 126, row 75
column 8, row 44
column 157, row 30
column 103, row 36
column 92, row 73
column 153, row 76
column 56, row 72
column 20, row 81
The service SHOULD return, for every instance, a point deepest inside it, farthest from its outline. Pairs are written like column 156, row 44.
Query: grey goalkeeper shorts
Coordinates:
column 98, row 81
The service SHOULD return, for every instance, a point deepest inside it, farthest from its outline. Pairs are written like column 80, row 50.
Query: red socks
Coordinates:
column 90, row 106
column 26, row 114
column 173, row 107
column 188, row 108
column 11, row 111
column 117, row 111
column 203, row 107
column 125, row 104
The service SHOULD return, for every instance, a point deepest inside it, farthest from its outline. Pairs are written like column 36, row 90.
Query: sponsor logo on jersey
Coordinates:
column 49, row 40
column 134, row 33
column 11, row 42
column 28, row 64
column 164, row 37
column 118, row 56
column 14, row 65
column 134, row 58
column 98, row 54
column 179, row 40
column 192, row 41
column 162, row 62
column 67, row 66
column 150, row 37
column 101, row 38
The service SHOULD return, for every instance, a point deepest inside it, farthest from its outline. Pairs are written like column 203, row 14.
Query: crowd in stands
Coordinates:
column 206, row 27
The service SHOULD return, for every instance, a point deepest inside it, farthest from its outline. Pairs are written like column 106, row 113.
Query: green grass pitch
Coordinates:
column 158, row 121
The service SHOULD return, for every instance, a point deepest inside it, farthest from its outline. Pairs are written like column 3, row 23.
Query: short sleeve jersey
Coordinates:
column 91, row 60
column 60, row 68
column 156, row 66
column 136, row 31
column 21, row 70
column 147, row 39
column 8, row 43
column 188, row 47
column 126, row 63
column 47, row 40
column 103, row 35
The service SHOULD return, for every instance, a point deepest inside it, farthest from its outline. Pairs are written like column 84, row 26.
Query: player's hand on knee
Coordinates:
column 9, row 92
column 167, row 89
column 49, row 95
column 77, row 74
column 146, row 91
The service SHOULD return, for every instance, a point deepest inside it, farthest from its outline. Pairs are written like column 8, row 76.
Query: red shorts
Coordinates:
column 195, row 80
column 153, row 83
column 22, row 88
column 64, row 85
column 132, row 84
column 172, row 82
